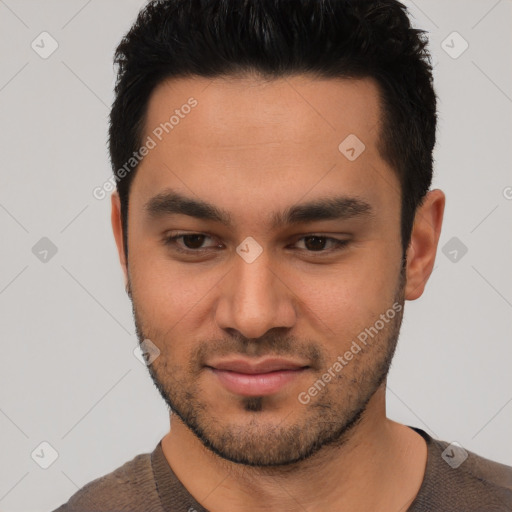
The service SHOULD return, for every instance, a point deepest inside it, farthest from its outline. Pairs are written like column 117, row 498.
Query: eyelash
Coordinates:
column 170, row 241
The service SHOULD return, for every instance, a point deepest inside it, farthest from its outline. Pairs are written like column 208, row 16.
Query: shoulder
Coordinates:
column 457, row 479
column 130, row 485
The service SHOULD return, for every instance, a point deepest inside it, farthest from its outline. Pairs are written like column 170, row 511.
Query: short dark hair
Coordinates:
column 280, row 38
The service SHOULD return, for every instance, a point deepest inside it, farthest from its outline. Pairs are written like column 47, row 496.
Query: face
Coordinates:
column 286, row 246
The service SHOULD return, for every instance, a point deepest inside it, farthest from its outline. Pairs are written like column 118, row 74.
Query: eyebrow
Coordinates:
column 329, row 208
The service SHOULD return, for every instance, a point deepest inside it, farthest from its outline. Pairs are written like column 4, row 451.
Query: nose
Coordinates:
column 255, row 298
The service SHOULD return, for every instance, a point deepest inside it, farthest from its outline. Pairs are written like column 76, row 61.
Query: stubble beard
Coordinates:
column 326, row 421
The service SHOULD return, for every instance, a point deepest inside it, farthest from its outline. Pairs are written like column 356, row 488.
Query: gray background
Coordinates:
column 68, row 373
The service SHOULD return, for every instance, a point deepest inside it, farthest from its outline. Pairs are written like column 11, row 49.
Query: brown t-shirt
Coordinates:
column 452, row 483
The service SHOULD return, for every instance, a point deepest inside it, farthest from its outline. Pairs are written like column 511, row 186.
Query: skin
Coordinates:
column 254, row 147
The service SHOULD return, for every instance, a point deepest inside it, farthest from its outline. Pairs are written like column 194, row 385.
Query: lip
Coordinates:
column 264, row 366
column 265, row 377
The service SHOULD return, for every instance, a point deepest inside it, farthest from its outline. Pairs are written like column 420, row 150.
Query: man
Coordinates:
column 273, row 162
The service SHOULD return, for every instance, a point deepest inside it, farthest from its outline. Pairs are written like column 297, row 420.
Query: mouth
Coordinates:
column 266, row 377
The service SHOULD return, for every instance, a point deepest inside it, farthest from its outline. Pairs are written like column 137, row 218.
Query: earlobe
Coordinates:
column 117, row 228
column 421, row 253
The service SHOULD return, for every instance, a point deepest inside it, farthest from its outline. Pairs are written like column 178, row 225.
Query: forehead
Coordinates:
column 277, row 139
column 240, row 111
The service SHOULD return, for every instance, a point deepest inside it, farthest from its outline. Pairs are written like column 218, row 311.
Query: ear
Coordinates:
column 117, row 228
column 421, row 253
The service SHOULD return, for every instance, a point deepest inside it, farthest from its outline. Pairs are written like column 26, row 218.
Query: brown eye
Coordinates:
column 321, row 244
column 190, row 243
column 193, row 241
column 315, row 243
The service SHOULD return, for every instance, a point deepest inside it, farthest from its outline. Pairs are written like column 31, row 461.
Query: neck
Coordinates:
column 379, row 466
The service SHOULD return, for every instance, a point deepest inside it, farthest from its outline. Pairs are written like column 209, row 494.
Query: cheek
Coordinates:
column 344, row 300
column 344, row 305
column 168, row 292
column 170, row 304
